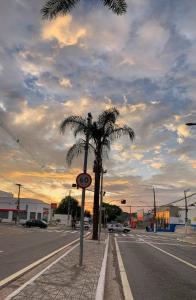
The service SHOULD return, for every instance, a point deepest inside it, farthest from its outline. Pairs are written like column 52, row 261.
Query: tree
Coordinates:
column 101, row 134
column 53, row 8
column 87, row 214
column 112, row 211
column 69, row 204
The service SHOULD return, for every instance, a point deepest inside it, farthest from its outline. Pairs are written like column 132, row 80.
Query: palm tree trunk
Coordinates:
column 96, row 206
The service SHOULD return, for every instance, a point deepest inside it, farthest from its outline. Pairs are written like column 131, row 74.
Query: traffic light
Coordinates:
column 75, row 185
column 123, row 201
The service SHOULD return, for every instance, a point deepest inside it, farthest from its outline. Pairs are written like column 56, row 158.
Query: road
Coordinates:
column 152, row 273
column 19, row 247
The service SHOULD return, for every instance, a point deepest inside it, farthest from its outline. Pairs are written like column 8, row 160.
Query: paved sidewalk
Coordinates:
column 190, row 238
column 65, row 279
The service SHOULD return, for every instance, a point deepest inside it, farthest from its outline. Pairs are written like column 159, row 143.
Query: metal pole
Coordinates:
column 130, row 216
column 18, row 203
column 186, row 211
column 68, row 213
column 89, row 121
column 100, row 206
column 154, row 216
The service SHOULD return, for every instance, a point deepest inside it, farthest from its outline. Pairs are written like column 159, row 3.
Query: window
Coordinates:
column 32, row 215
column 3, row 214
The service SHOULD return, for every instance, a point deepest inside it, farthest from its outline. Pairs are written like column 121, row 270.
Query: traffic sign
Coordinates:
column 83, row 180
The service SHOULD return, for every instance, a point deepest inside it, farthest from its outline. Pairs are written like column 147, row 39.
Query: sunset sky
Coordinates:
column 143, row 63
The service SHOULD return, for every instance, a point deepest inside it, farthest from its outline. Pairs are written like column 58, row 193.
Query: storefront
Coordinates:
column 28, row 209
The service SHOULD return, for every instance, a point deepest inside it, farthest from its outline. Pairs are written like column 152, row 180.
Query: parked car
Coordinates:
column 86, row 226
column 118, row 228
column 36, row 223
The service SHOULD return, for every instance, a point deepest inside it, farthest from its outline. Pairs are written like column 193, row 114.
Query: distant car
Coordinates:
column 36, row 223
column 118, row 228
column 86, row 226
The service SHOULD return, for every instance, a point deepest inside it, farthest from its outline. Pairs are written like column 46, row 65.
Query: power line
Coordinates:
column 19, row 143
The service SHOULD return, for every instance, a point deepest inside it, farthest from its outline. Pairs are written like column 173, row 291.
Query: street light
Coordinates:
column 190, row 124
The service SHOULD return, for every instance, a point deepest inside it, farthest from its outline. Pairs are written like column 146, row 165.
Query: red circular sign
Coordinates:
column 83, row 180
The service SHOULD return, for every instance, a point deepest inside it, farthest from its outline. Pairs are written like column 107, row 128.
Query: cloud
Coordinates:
column 64, row 31
column 143, row 63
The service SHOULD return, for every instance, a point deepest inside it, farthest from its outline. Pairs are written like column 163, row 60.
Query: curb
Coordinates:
column 181, row 240
column 21, row 272
column 102, row 276
column 17, row 291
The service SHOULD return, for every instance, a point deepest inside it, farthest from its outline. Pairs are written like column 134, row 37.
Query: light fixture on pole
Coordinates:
column 190, row 124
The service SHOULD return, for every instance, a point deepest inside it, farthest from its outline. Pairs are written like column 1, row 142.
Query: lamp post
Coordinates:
column 101, row 201
column 186, row 210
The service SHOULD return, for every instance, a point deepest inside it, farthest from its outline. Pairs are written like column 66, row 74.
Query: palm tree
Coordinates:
column 53, row 8
column 101, row 134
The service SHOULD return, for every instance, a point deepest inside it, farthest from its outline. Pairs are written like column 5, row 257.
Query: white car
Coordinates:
column 86, row 226
column 118, row 228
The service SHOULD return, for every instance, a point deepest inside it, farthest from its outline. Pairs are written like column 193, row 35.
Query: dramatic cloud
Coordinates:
column 143, row 63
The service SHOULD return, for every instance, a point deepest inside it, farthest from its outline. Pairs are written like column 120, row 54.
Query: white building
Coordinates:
column 28, row 209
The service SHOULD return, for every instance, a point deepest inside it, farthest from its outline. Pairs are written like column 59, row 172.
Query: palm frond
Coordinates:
column 74, row 122
column 109, row 116
column 119, row 7
column 117, row 132
column 53, row 8
column 75, row 151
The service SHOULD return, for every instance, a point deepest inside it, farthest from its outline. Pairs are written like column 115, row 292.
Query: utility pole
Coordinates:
column 89, row 122
column 130, row 215
column 154, row 215
column 186, row 211
column 18, row 203
column 68, row 210
column 101, row 201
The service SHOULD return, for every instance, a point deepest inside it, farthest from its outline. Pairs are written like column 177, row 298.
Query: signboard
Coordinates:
column 83, row 180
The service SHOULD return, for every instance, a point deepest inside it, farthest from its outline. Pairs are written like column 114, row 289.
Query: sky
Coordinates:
column 143, row 63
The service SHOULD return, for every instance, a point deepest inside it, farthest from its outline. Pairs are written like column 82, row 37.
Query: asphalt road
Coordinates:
column 152, row 273
column 19, row 247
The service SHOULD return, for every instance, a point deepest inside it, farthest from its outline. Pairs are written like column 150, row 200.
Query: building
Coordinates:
column 28, row 209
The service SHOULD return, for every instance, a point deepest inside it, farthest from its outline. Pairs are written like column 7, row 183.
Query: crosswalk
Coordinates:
column 123, row 234
column 60, row 231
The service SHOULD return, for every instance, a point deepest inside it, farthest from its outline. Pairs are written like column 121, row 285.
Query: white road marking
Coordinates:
column 124, row 280
column 169, row 254
column 34, row 264
column 16, row 292
column 116, row 234
column 1, row 251
column 139, row 241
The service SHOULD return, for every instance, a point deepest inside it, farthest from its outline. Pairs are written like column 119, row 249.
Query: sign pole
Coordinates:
column 89, row 121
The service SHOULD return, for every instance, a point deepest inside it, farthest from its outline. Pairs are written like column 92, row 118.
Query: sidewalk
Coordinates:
column 65, row 279
column 189, row 238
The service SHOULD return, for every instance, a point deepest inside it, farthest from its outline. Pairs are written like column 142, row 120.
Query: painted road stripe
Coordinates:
column 16, row 292
column 116, row 234
column 1, row 251
column 125, row 283
column 175, row 257
column 34, row 264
